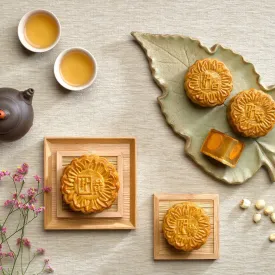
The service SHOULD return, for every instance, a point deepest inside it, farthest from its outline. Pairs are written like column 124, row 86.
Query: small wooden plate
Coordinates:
column 58, row 152
column 163, row 250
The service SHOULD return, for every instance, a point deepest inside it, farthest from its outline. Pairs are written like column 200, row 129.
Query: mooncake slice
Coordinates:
column 251, row 113
column 222, row 148
column 186, row 226
column 208, row 82
column 90, row 184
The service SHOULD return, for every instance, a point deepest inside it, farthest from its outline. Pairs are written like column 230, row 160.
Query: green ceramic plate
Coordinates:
column 169, row 58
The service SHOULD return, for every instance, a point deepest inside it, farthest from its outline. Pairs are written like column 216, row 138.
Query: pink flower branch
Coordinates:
column 25, row 203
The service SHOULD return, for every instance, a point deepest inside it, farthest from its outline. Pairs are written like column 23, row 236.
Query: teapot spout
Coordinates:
column 28, row 95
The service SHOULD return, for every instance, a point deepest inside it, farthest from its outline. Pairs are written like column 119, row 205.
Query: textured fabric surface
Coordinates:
column 122, row 102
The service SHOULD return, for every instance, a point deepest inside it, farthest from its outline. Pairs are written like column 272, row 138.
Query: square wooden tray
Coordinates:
column 58, row 152
column 164, row 251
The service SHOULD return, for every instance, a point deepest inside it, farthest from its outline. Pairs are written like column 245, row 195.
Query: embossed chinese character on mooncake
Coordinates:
column 208, row 82
column 186, row 226
column 90, row 184
column 251, row 113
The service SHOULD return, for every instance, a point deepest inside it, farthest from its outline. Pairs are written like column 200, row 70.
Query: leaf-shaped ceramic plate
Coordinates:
column 170, row 57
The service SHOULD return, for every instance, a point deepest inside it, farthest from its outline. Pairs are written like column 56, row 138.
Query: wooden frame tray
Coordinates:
column 58, row 152
column 164, row 251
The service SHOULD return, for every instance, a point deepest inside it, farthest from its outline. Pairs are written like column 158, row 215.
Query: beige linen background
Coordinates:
column 122, row 102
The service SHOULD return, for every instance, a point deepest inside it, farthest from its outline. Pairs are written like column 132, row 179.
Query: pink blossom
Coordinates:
column 10, row 254
column 33, row 200
column 46, row 189
column 31, row 192
column 22, row 196
column 39, row 210
column 18, row 204
column 24, row 241
column 40, row 251
column 8, row 202
column 21, row 172
column 18, row 177
column 49, row 269
column 23, row 169
column 3, row 174
column 15, row 202
column 37, row 178
column 4, row 230
column 14, row 196
column 31, row 207
column 1, row 267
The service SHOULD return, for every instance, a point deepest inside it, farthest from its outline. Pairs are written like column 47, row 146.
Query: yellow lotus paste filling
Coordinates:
column 222, row 148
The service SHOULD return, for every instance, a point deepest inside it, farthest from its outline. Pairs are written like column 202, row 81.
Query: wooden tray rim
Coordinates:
column 50, row 224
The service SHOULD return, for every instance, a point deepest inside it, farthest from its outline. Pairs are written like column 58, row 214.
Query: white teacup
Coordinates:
column 22, row 36
column 58, row 74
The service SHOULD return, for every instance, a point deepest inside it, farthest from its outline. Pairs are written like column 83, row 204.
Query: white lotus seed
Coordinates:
column 268, row 210
column 245, row 203
column 272, row 237
column 257, row 217
column 272, row 217
column 260, row 204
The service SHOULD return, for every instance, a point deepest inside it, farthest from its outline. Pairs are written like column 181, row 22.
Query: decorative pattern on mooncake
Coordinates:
column 90, row 184
column 208, row 82
column 251, row 113
column 186, row 226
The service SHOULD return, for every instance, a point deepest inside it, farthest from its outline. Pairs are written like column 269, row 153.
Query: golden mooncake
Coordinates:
column 186, row 226
column 90, row 184
column 251, row 113
column 208, row 82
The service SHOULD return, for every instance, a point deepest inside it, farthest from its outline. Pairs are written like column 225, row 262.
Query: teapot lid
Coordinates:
column 10, row 114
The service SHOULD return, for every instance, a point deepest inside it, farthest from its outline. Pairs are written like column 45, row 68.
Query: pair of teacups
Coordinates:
column 57, row 73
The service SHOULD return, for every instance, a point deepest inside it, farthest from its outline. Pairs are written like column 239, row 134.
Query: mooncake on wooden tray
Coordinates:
column 186, row 226
column 90, row 184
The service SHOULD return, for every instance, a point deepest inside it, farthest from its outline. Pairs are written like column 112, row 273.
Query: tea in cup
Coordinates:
column 75, row 69
column 39, row 30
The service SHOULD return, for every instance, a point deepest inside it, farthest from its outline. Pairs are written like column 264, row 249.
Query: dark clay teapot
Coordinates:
column 16, row 113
